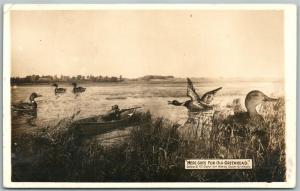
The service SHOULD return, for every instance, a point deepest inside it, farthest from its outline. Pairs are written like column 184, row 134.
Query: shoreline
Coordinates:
column 176, row 81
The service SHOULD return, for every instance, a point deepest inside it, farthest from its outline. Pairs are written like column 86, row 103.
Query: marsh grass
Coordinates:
column 153, row 152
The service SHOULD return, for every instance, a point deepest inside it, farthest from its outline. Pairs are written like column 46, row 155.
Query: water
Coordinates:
column 99, row 98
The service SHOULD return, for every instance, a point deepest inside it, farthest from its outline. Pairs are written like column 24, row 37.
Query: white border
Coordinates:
column 290, row 93
column 149, row 6
column 290, row 60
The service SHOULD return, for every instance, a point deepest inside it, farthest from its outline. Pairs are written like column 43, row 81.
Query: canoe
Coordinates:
column 96, row 125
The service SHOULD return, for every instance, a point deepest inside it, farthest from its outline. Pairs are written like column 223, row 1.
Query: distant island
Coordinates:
column 155, row 77
column 44, row 79
column 48, row 79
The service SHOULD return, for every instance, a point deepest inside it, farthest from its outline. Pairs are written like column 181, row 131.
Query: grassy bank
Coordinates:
column 154, row 151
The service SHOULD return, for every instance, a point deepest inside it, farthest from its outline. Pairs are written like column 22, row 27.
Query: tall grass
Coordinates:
column 153, row 152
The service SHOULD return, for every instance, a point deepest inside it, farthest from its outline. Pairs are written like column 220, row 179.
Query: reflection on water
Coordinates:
column 99, row 98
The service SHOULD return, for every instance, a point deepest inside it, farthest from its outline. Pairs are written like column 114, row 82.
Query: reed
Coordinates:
column 153, row 152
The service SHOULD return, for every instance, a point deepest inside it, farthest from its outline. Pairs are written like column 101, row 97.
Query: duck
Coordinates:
column 250, row 122
column 77, row 89
column 58, row 90
column 251, row 116
column 196, row 103
column 27, row 107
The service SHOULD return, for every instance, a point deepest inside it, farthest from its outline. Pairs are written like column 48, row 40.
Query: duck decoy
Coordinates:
column 77, row 89
column 29, row 108
column 58, row 90
column 250, row 124
column 251, row 116
column 196, row 103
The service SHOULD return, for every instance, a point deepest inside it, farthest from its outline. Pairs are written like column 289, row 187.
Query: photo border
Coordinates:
column 290, row 49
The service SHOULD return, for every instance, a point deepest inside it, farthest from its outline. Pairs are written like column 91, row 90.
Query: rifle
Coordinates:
column 123, row 110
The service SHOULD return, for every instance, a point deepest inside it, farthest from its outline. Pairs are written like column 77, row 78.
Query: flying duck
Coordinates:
column 58, row 90
column 196, row 103
column 27, row 107
column 77, row 89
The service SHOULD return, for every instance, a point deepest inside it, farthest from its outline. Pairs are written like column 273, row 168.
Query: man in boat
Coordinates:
column 113, row 114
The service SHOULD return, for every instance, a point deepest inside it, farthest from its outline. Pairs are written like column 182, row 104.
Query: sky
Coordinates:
column 134, row 43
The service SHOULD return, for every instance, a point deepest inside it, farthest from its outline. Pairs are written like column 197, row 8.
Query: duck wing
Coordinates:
column 81, row 89
column 195, row 106
column 78, row 89
column 191, row 91
column 60, row 90
column 22, row 107
column 209, row 96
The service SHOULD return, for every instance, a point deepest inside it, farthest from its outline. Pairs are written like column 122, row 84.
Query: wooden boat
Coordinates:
column 96, row 125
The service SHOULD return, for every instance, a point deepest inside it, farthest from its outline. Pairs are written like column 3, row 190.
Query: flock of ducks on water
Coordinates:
column 75, row 89
column 30, row 108
column 196, row 103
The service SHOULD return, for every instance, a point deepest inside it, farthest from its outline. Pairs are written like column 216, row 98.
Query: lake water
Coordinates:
column 99, row 98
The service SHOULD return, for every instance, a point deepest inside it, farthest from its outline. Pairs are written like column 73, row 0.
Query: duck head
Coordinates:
column 74, row 84
column 174, row 102
column 55, row 85
column 254, row 98
column 33, row 96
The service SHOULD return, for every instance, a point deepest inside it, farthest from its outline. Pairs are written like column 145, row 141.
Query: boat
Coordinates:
column 96, row 125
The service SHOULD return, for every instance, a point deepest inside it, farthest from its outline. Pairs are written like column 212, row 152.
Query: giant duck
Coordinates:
column 251, row 116
column 250, row 122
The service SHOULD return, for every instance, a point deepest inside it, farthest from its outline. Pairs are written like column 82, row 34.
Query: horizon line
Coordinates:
column 75, row 75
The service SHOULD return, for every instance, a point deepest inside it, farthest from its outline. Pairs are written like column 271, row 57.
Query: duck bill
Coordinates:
column 270, row 99
column 39, row 95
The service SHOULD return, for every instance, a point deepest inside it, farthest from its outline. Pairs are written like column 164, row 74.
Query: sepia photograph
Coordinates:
column 149, row 96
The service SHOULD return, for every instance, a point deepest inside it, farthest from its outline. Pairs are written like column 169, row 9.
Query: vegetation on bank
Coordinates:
column 154, row 151
column 44, row 79
column 47, row 79
column 37, row 79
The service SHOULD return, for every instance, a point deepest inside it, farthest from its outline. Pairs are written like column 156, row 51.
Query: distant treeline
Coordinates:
column 37, row 79
column 62, row 78
column 156, row 77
